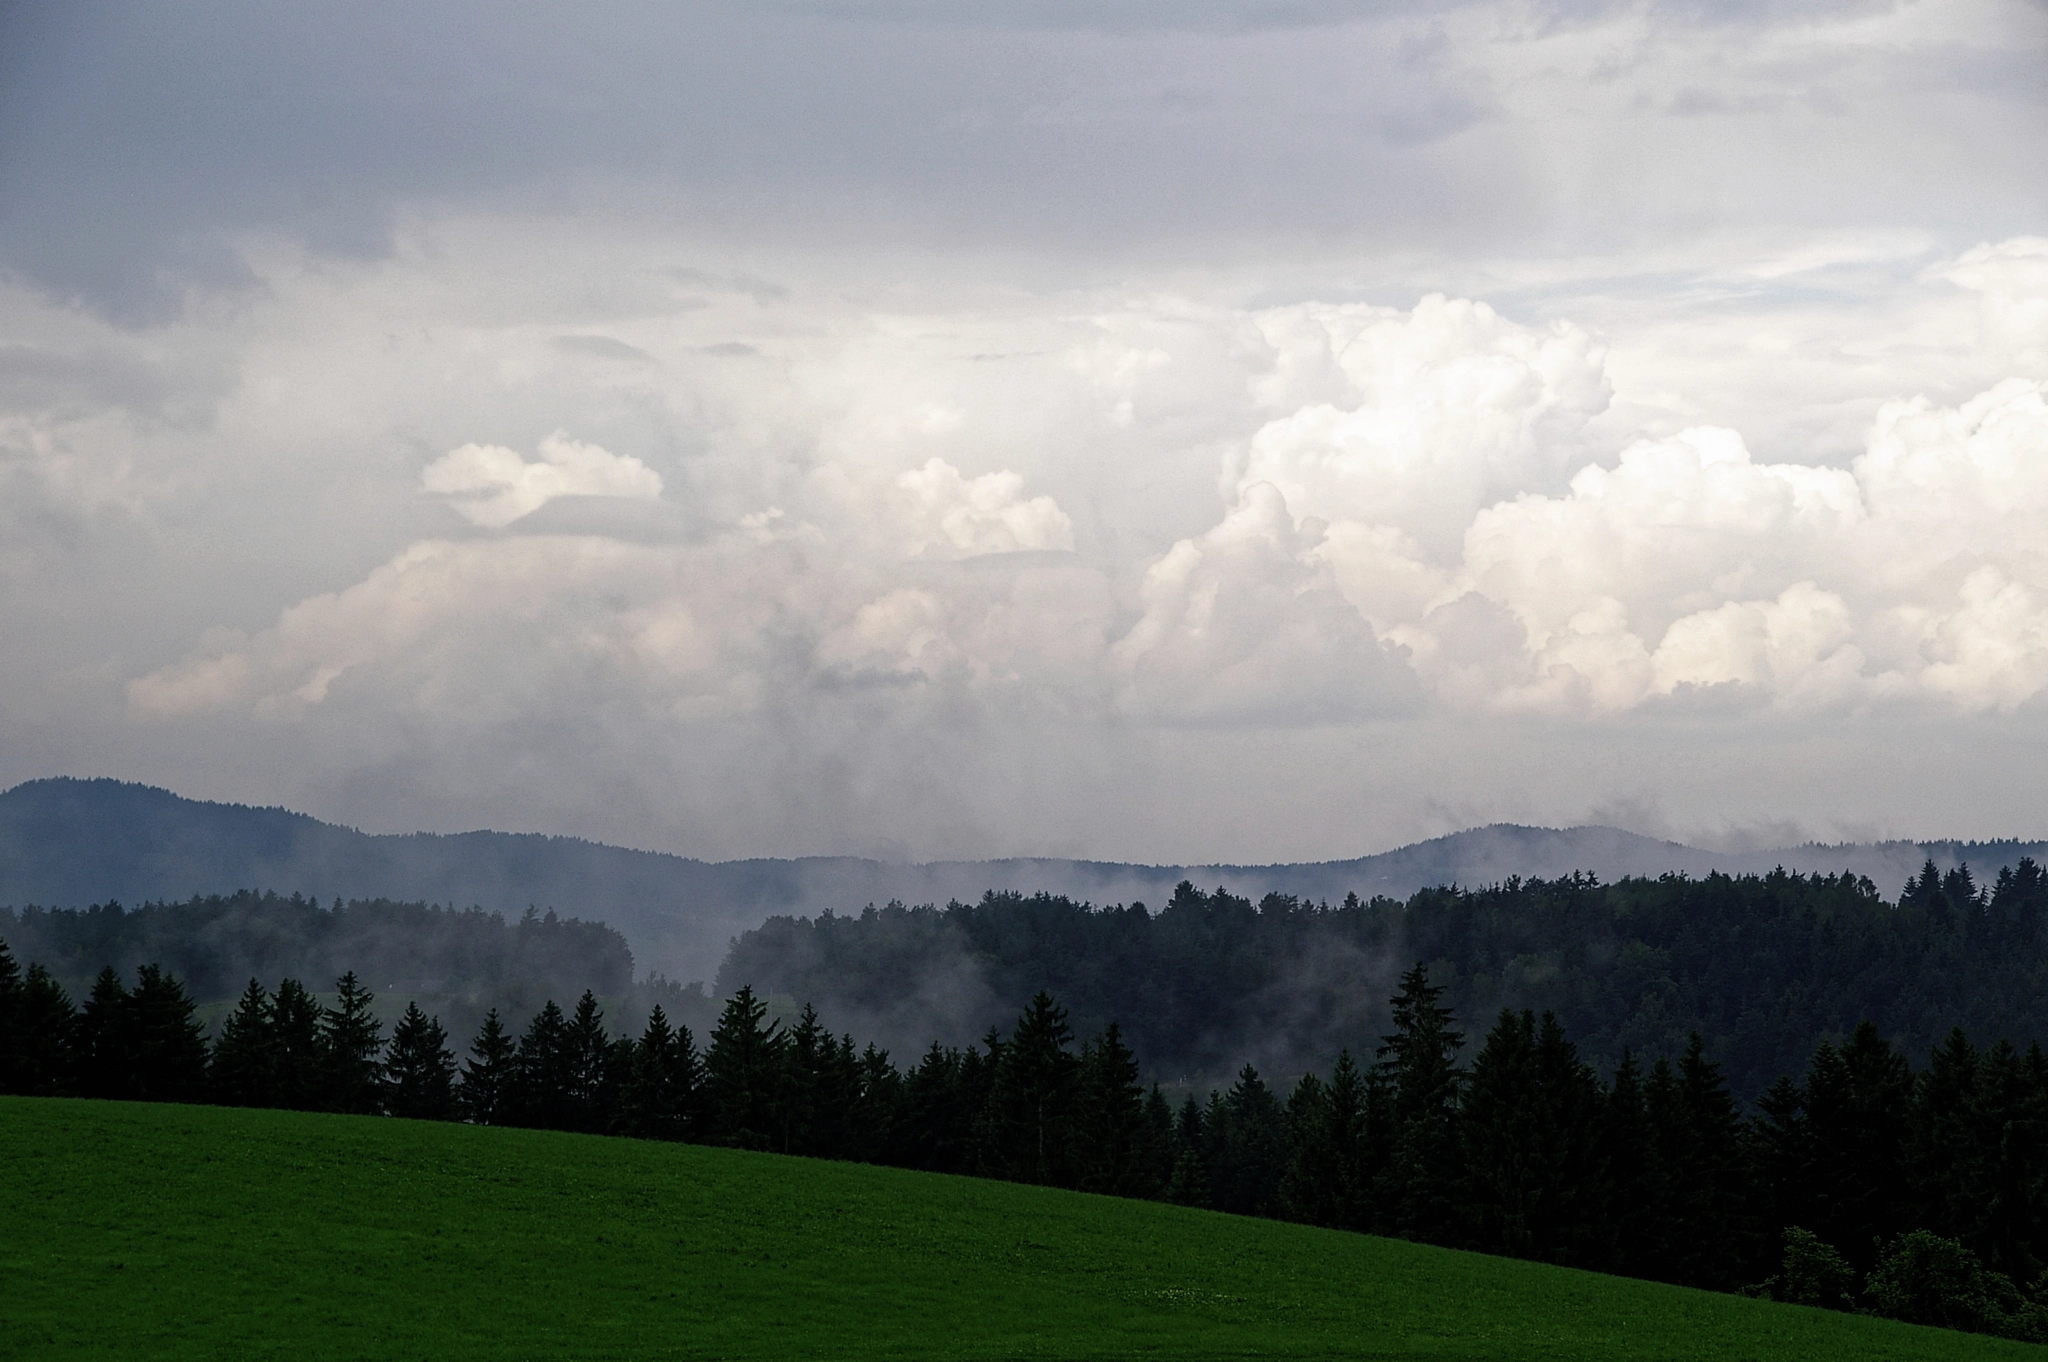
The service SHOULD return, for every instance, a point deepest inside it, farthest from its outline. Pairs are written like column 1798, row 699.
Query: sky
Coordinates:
column 1171, row 432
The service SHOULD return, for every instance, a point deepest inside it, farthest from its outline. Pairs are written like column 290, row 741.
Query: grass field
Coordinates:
column 159, row 1231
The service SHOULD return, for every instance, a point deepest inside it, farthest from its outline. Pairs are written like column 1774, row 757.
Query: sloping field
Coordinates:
column 161, row 1231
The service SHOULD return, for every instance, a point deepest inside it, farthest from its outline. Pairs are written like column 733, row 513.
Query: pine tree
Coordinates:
column 1419, row 1060
column 47, row 1024
column 352, row 1044
column 485, row 1097
column 105, row 1044
column 744, row 1070
column 877, row 1111
column 1027, row 1122
column 664, row 1082
column 1699, row 1150
column 10, row 1021
column 803, row 1106
column 540, row 1089
column 299, row 1078
column 243, row 1069
column 1533, row 1176
column 1857, row 1105
column 419, row 1073
column 1247, row 1142
column 168, row 1044
column 1189, row 1184
column 587, row 1059
column 1110, row 1127
column 1947, row 1163
column 1630, row 1156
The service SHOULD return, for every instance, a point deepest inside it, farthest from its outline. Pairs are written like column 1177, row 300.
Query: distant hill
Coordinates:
column 70, row 843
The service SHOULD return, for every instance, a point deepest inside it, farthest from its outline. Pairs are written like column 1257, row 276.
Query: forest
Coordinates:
column 1861, row 1183
column 1762, row 967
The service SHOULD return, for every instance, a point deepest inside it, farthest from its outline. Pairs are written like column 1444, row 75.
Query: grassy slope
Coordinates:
column 131, row 1230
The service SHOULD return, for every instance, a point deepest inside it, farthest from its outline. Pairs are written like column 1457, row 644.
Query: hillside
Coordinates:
column 172, row 1232
column 69, row 843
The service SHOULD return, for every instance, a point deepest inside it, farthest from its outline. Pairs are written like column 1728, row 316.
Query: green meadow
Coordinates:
column 164, row 1231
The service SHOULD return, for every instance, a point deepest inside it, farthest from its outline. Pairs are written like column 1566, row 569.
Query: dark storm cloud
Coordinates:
column 137, row 139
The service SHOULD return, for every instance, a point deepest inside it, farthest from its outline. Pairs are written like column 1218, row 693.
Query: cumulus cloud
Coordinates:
column 912, row 562
column 1245, row 624
column 957, row 516
column 492, row 486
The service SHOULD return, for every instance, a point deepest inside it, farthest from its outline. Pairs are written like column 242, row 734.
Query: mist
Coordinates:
column 1240, row 435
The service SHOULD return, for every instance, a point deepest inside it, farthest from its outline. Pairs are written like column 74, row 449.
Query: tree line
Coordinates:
column 1861, row 1184
column 1761, row 966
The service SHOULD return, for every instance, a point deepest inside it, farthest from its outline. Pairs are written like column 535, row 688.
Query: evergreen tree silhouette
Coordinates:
column 1632, row 1177
column 46, row 1025
column 10, row 1021
column 488, row 1077
column 243, row 1070
column 1419, row 1061
column 1026, row 1123
column 663, row 1083
column 587, row 1062
column 168, row 1045
column 744, row 1071
column 105, row 1040
column 1110, row 1130
column 1246, row 1139
column 300, row 1076
column 540, row 1088
column 419, row 1072
column 1189, row 1183
column 1533, row 1182
column 352, row 1044
column 1325, row 1182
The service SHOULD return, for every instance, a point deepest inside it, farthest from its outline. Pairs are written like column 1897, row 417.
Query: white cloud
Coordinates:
column 885, row 545
column 492, row 486
column 954, row 516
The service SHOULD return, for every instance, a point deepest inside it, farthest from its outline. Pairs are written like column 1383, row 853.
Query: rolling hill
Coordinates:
column 69, row 843
column 173, row 1232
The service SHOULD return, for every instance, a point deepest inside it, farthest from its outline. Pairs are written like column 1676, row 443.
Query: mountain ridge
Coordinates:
column 69, row 842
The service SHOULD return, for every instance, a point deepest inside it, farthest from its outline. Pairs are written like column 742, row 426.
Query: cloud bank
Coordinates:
column 1220, row 434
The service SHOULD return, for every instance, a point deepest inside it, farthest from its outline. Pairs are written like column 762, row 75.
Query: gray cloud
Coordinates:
column 1206, row 432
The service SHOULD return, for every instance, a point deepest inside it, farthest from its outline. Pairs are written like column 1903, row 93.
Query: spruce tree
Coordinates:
column 299, row 1078
column 47, row 1024
column 1630, row 1156
column 1308, row 1187
column 419, row 1073
column 352, row 1044
column 242, row 1072
column 1857, row 1107
column 587, row 1067
column 1027, row 1122
column 168, row 1045
column 1110, row 1154
column 872, row 1130
column 1419, row 1061
column 744, row 1071
column 805, row 1105
column 1700, row 1150
column 485, row 1097
column 1189, row 1184
column 10, row 1021
column 653, row 1103
column 105, row 1043
column 540, row 1088
column 1247, row 1139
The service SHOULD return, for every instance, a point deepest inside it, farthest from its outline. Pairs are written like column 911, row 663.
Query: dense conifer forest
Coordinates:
column 1861, row 1183
column 1763, row 967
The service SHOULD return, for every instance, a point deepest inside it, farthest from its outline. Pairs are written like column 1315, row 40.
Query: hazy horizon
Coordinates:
column 1198, row 434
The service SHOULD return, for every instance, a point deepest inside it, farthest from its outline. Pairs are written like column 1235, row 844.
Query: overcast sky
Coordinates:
column 1146, row 429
